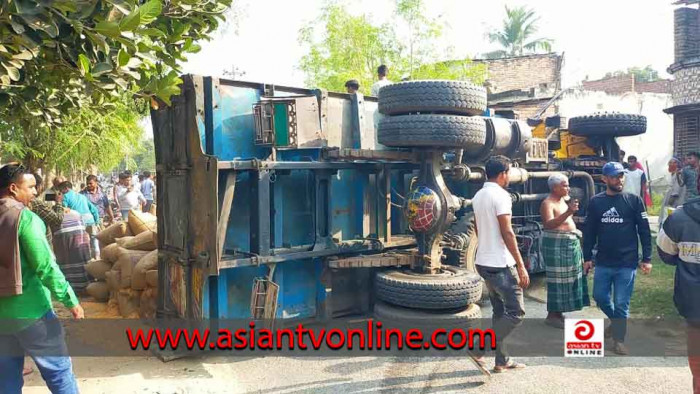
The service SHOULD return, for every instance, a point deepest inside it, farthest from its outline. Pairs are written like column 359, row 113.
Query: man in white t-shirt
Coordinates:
column 382, row 71
column 127, row 197
column 498, row 259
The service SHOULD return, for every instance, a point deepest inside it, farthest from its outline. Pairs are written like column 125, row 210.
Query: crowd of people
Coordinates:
column 49, row 240
column 49, row 235
column 616, row 223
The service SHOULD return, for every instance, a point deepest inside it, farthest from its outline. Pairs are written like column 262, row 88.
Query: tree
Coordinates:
column 516, row 35
column 646, row 74
column 342, row 46
column 61, row 56
column 89, row 137
column 145, row 157
column 351, row 48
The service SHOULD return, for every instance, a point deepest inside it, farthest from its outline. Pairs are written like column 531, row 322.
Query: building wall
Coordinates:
column 526, row 110
column 523, row 72
column 685, row 87
column 614, row 85
column 655, row 146
column 625, row 83
column 662, row 86
column 686, row 37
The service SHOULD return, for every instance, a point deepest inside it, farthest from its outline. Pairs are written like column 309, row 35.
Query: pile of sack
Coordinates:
column 127, row 275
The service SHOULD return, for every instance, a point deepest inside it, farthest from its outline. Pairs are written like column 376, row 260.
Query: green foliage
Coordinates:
column 646, row 74
column 69, row 69
column 516, row 35
column 88, row 137
column 144, row 159
column 62, row 54
column 352, row 48
column 342, row 46
column 657, row 199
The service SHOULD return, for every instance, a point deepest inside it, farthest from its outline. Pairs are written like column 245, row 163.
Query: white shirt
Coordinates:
column 633, row 182
column 489, row 203
column 129, row 199
column 378, row 85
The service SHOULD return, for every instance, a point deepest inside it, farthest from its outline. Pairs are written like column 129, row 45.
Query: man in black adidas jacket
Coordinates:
column 679, row 244
column 615, row 224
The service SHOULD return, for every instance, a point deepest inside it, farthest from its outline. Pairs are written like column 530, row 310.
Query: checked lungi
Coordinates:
column 567, row 287
column 72, row 250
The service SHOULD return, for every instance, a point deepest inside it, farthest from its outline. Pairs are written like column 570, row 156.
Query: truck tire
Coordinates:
column 446, row 131
column 447, row 97
column 397, row 314
column 452, row 288
column 611, row 125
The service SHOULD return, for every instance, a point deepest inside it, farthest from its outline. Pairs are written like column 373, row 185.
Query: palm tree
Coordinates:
column 515, row 37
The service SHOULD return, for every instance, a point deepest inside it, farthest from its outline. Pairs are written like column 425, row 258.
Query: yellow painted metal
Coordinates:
column 539, row 131
column 573, row 146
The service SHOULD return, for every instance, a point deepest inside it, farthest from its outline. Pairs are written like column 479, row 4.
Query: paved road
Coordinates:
column 382, row 374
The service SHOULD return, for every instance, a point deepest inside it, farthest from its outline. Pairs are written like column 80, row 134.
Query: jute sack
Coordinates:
column 113, row 304
column 144, row 241
column 116, row 230
column 148, row 303
column 125, row 265
column 152, row 278
column 98, row 268
column 113, row 279
column 147, row 263
column 98, row 290
column 123, row 240
column 141, row 221
column 110, row 253
column 129, row 303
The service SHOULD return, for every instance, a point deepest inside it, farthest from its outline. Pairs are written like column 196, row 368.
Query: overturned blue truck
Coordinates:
column 286, row 203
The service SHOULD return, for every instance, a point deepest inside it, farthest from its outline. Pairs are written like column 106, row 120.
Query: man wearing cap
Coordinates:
column 615, row 225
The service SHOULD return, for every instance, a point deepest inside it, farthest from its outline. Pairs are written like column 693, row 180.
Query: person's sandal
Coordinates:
column 510, row 365
column 620, row 348
column 480, row 363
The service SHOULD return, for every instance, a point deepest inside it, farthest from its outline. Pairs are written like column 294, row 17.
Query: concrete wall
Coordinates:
column 655, row 146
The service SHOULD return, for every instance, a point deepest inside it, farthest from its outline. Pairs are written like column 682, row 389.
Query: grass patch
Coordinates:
column 653, row 293
column 657, row 199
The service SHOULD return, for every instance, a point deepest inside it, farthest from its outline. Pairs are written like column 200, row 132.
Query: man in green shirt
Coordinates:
column 29, row 324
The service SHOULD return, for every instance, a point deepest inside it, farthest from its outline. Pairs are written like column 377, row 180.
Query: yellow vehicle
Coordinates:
column 570, row 146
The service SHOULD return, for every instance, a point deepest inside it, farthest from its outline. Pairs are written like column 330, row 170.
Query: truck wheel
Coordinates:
column 452, row 288
column 397, row 314
column 448, row 97
column 446, row 131
column 611, row 125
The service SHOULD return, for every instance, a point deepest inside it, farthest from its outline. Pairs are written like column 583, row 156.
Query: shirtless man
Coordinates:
column 557, row 213
column 567, row 289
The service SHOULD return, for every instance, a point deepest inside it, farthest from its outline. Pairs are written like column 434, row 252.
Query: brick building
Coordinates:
column 625, row 83
column 520, row 86
column 685, row 87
